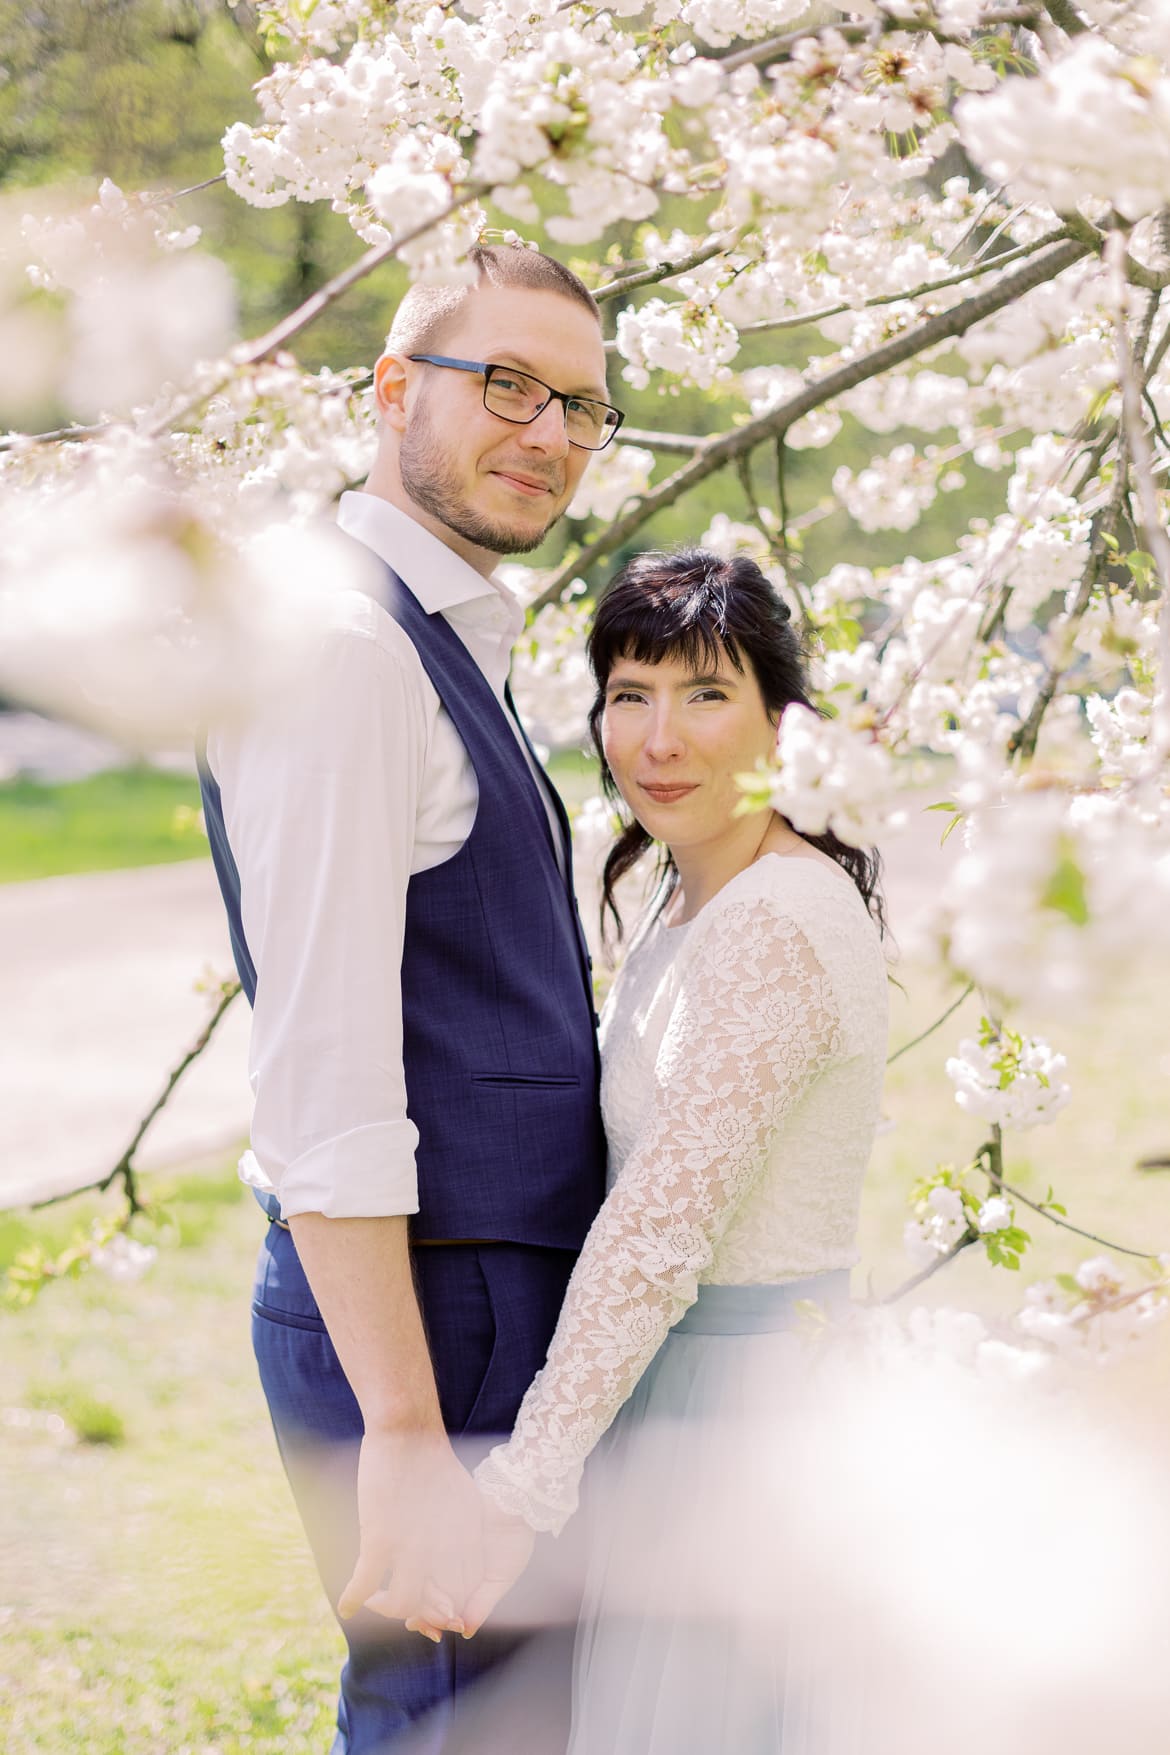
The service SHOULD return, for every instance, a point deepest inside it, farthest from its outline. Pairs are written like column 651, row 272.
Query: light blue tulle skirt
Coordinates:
column 692, row 1640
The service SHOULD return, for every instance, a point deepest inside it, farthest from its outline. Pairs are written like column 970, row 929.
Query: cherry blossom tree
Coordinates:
column 945, row 222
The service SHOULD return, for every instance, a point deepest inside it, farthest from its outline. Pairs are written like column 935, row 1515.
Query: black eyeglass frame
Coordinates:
column 488, row 368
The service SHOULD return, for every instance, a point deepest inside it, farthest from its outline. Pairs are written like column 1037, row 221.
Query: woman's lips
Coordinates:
column 666, row 794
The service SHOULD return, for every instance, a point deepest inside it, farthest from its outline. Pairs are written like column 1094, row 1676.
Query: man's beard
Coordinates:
column 429, row 478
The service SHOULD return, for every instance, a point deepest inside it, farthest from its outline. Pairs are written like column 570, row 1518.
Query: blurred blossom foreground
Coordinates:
column 959, row 1546
column 136, row 607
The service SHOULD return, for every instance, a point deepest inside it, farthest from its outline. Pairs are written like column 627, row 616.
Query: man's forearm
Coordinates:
column 360, row 1273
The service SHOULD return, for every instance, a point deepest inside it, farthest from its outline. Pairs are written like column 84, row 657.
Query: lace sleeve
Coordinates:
column 753, row 1022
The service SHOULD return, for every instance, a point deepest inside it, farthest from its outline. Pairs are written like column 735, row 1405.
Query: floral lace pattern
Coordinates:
column 742, row 1058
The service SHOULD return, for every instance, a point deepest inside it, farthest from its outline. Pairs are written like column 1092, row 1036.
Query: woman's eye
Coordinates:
column 710, row 695
column 625, row 695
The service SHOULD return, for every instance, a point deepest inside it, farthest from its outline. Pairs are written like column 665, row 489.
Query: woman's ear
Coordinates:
column 390, row 390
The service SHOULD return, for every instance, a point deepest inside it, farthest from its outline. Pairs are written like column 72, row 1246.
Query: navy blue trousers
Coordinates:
column 489, row 1312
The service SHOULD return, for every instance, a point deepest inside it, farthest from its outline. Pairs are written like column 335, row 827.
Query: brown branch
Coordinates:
column 1142, row 459
column 928, row 1272
column 1064, row 18
column 1004, row 260
column 682, row 443
column 1067, row 1225
column 1150, row 279
column 124, row 1168
column 779, row 48
column 164, row 199
column 717, row 453
column 62, row 436
column 931, row 1028
column 252, row 352
column 660, row 271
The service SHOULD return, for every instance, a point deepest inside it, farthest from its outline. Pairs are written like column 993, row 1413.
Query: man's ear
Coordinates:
column 390, row 390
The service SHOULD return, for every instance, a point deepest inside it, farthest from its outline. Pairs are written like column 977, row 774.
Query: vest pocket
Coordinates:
column 522, row 1081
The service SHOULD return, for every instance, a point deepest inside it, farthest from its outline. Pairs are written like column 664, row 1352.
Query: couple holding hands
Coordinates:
column 496, row 1248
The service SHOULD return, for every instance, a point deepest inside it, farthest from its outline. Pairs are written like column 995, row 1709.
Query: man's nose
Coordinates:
column 547, row 432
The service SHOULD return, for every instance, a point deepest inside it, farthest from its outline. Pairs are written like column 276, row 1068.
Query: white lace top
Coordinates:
column 742, row 1061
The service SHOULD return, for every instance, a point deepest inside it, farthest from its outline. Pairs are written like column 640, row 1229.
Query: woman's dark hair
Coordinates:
column 687, row 606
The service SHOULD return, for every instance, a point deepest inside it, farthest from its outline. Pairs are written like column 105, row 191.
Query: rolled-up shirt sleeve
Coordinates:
column 320, row 801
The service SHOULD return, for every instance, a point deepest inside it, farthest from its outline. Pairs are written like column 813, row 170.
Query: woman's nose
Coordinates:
column 663, row 740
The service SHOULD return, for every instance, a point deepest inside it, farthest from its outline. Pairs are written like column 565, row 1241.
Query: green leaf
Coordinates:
column 1065, row 891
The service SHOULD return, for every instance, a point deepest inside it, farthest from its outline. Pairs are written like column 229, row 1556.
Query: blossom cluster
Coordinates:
column 831, row 775
column 1012, row 1080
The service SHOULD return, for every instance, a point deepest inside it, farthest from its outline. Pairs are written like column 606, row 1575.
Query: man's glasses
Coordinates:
column 518, row 397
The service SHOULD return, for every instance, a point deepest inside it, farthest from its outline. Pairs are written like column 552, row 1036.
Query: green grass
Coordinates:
column 140, row 816
column 124, row 817
column 156, row 1596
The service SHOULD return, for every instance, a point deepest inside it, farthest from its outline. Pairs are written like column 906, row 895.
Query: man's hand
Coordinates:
column 420, row 1529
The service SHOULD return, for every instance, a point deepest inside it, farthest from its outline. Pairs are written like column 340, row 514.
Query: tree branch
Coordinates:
column 717, row 453
column 779, row 48
column 928, row 1272
column 1066, row 1224
column 773, row 326
column 124, row 1168
column 931, row 1028
column 684, row 444
column 252, row 352
column 662, row 271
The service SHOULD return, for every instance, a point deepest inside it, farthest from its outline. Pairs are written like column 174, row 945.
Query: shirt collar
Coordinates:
column 439, row 578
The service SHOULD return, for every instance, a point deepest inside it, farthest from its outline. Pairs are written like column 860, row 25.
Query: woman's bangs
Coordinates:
column 673, row 628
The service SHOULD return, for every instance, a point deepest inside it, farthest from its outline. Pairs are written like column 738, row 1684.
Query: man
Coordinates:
column 426, row 1138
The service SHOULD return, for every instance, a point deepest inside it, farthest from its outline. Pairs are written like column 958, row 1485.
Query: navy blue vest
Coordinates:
column 498, row 1024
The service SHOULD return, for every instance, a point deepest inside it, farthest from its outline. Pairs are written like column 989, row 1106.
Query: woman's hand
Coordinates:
column 504, row 1550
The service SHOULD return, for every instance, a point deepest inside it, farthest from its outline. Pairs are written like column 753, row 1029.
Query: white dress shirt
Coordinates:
column 330, row 804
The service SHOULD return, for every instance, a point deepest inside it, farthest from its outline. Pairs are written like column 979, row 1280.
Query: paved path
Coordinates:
column 97, row 1003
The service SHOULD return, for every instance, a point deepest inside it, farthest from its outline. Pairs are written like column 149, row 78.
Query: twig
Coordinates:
column 307, row 312
column 1064, row 18
column 125, row 1165
column 660, row 271
column 975, row 269
column 719, row 452
column 164, row 199
column 965, row 1241
column 1066, row 1224
column 62, row 436
column 684, row 444
column 931, row 1028
column 1141, row 456
column 778, row 48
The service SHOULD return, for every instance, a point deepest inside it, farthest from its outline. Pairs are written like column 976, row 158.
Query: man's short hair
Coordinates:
column 426, row 312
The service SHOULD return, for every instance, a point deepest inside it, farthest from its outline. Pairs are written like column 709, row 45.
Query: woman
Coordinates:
column 743, row 1047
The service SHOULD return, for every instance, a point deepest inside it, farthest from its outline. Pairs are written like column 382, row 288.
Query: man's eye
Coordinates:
column 710, row 695
column 625, row 695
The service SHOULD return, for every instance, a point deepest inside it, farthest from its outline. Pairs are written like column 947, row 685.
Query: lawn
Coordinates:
column 156, row 1596
column 123, row 817
column 138, row 816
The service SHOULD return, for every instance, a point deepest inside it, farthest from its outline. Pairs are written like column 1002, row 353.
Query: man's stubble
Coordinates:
column 429, row 477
